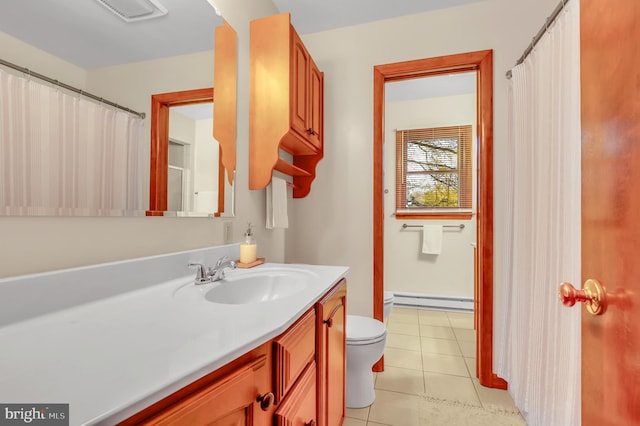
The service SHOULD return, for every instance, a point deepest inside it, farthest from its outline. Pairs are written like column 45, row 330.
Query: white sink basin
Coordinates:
column 259, row 286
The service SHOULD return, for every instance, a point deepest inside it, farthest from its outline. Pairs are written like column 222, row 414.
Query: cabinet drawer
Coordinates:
column 293, row 351
column 299, row 407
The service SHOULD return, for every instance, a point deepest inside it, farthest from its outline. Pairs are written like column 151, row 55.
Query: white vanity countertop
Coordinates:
column 113, row 357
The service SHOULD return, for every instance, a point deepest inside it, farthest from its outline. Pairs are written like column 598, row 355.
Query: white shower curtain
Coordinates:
column 63, row 155
column 537, row 339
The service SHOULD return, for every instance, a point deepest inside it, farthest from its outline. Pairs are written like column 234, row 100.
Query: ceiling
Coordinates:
column 86, row 34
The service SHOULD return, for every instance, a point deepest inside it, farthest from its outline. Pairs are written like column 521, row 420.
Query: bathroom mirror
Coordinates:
column 202, row 176
column 50, row 177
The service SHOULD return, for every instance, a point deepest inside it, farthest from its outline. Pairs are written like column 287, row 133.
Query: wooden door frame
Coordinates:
column 482, row 63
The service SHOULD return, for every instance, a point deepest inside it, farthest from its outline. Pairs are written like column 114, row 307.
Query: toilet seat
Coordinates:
column 364, row 331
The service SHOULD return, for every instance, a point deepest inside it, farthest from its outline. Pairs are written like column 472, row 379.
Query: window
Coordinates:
column 434, row 172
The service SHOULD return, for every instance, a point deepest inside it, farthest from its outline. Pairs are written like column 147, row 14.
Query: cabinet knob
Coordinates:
column 266, row 400
column 311, row 131
column 329, row 322
column 311, row 422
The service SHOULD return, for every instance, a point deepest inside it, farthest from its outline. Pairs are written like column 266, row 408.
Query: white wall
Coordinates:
column 406, row 269
column 205, row 179
column 333, row 224
column 37, row 244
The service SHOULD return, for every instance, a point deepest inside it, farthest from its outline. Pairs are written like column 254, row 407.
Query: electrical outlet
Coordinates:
column 227, row 232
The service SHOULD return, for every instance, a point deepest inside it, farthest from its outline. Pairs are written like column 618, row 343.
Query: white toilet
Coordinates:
column 388, row 303
column 366, row 338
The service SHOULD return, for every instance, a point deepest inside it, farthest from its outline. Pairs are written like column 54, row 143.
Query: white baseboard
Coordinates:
column 427, row 301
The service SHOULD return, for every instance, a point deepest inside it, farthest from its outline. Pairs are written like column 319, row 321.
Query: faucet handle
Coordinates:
column 221, row 260
column 201, row 275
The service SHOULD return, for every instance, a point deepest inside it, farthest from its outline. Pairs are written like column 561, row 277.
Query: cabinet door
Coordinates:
column 332, row 356
column 299, row 407
column 299, row 86
column 316, row 105
column 293, row 351
column 230, row 401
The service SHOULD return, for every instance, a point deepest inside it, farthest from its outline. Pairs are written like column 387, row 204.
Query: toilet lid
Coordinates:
column 388, row 296
column 364, row 328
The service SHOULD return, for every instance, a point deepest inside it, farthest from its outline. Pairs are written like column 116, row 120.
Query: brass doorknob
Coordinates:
column 592, row 295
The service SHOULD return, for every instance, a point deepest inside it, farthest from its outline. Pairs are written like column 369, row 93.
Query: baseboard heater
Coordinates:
column 427, row 301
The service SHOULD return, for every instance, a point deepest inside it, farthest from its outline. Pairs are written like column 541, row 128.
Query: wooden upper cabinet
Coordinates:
column 299, row 86
column 286, row 105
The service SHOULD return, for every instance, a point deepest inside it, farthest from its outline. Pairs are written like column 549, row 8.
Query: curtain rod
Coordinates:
column 540, row 33
column 70, row 88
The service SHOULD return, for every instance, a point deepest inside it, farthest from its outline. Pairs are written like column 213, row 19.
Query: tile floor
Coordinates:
column 427, row 352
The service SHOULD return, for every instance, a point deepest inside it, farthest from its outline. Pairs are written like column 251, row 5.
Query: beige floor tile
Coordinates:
column 357, row 413
column 397, row 409
column 444, row 364
column 435, row 320
column 466, row 323
column 403, row 359
column 461, row 315
column 471, row 366
column 494, row 397
column 403, row 319
column 465, row 334
column 425, row 313
column 354, row 422
column 455, row 388
column 440, row 346
column 436, row 332
column 397, row 311
column 400, row 380
column 378, row 424
column 395, row 327
column 468, row 348
column 403, row 341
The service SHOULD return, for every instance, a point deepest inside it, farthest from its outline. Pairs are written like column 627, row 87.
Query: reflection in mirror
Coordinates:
column 223, row 129
column 187, row 175
column 192, row 182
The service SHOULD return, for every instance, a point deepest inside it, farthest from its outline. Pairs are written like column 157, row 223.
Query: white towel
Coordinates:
column 431, row 239
column 277, row 204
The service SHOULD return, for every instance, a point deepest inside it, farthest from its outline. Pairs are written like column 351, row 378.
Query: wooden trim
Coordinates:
column 482, row 63
column 225, row 80
column 484, row 230
column 221, row 170
column 160, row 105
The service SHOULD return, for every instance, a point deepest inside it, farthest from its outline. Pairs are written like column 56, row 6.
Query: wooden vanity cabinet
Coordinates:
column 237, row 394
column 293, row 351
column 296, row 379
column 331, row 355
column 286, row 105
column 299, row 408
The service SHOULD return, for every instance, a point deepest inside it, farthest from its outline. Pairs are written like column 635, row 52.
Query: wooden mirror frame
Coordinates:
column 482, row 63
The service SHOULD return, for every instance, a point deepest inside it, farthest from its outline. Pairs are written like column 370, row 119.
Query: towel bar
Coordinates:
column 461, row 226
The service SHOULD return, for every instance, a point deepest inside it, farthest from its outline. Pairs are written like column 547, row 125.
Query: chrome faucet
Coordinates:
column 217, row 272
column 201, row 274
